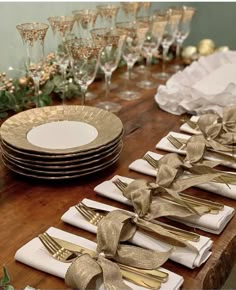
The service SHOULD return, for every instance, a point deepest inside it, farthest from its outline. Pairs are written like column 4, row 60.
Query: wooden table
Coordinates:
column 29, row 207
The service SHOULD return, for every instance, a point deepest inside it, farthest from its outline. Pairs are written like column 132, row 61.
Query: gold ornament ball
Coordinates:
column 189, row 51
column 23, row 81
column 206, row 46
column 223, row 48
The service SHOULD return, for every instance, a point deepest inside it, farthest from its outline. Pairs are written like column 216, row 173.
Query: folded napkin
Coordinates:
column 184, row 256
column 144, row 167
column 207, row 222
column 164, row 144
column 207, row 85
column 187, row 129
column 35, row 255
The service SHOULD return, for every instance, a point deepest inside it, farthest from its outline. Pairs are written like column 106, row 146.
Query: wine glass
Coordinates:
column 111, row 42
column 84, row 60
column 130, row 10
column 85, row 19
column 33, row 35
column 61, row 27
column 183, row 31
column 130, row 53
column 169, row 36
column 108, row 14
column 148, row 44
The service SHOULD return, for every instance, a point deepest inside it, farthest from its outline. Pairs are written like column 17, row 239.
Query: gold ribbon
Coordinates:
column 115, row 227
column 217, row 131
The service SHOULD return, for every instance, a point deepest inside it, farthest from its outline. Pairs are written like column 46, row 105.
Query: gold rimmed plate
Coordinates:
column 33, row 174
column 79, row 165
column 61, row 129
column 57, row 159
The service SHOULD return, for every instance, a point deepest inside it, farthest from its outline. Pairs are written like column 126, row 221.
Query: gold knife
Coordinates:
column 155, row 273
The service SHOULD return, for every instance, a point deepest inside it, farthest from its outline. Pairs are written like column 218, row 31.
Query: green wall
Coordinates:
column 214, row 20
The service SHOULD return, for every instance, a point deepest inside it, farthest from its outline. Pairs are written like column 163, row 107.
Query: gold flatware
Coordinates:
column 67, row 256
column 94, row 217
column 191, row 124
column 180, row 144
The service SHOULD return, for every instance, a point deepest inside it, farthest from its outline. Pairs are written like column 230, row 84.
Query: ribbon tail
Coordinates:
column 112, row 276
column 82, row 273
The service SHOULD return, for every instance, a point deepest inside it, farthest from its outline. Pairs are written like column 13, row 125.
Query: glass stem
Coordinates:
column 129, row 69
column 83, row 93
column 178, row 48
column 165, row 51
column 64, row 84
column 108, row 83
column 36, row 90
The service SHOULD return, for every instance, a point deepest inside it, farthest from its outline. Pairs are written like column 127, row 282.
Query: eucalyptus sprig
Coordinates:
column 5, row 280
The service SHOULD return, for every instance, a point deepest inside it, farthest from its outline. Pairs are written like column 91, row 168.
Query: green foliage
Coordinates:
column 5, row 280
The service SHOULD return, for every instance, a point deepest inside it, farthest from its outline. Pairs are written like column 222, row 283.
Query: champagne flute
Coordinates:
column 61, row 27
column 183, row 31
column 130, row 53
column 84, row 59
column 108, row 14
column 111, row 42
column 33, row 35
column 169, row 36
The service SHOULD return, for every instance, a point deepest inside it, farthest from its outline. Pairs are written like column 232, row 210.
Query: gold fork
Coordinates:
column 180, row 143
column 67, row 256
column 174, row 230
column 191, row 124
column 94, row 218
column 215, row 207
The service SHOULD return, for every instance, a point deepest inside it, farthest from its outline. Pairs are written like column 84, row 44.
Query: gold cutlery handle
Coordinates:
column 154, row 274
column 212, row 204
column 140, row 280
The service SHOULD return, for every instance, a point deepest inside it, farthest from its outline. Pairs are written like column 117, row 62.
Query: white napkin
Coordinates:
column 187, row 129
column 35, row 255
column 144, row 167
column 207, row 222
column 184, row 256
column 207, row 85
column 164, row 144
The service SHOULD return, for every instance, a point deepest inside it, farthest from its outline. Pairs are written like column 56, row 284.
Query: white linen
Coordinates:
column 207, row 85
column 187, row 129
column 184, row 256
column 144, row 167
column 207, row 222
column 35, row 255
column 164, row 144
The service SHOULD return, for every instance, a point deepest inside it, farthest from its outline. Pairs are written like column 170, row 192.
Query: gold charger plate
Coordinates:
column 31, row 174
column 64, row 166
column 15, row 129
column 57, row 159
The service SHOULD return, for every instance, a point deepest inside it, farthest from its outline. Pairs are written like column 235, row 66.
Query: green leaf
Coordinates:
column 8, row 287
column 3, row 114
column 6, row 277
column 48, row 87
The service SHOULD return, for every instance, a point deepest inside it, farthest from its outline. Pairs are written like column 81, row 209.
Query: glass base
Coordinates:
column 147, row 85
column 90, row 96
column 161, row 76
column 109, row 106
column 126, row 76
column 129, row 95
column 140, row 68
column 176, row 67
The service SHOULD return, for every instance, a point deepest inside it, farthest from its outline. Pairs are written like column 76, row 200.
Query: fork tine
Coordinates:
column 153, row 162
column 83, row 212
column 92, row 216
column 175, row 142
column 120, row 184
column 45, row 243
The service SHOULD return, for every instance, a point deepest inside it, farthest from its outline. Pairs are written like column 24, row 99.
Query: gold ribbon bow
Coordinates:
column 115, row 227
column 146, row 197
column 218, row 131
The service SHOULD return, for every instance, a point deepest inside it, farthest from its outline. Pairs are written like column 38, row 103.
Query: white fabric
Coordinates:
column 184, row 256
column 164, row 144
column 35, row 255
column 207, row 222
column 144, row 167
column 187, row 129
column 207, row 85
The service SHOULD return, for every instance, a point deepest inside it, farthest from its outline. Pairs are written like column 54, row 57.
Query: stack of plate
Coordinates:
column 61, row 142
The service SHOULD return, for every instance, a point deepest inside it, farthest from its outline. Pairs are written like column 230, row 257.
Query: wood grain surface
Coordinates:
column 28, row 207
